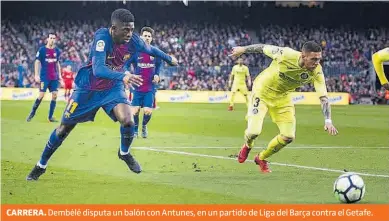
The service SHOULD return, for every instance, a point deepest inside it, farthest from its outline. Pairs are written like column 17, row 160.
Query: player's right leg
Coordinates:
column 136, row 111
column 136, row 103
column 55, row 140
column 256, row 113
column 42, row 91
column 121, row 111
column 232, row 99
column 82, row 107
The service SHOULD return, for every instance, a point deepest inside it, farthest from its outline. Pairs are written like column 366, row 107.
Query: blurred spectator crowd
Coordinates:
column 202, row 51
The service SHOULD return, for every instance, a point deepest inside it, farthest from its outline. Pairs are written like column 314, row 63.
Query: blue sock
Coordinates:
column 52, row 108
column 36, row 105
column 136, row 120
column 127, row 135
column 146, row 119
column 51, row 146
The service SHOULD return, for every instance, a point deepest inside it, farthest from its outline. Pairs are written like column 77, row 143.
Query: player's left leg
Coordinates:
column 285, row 119
column 148, row 102
column 245, row 93
column 232, row 99
column 122, row 112
column 53, row 88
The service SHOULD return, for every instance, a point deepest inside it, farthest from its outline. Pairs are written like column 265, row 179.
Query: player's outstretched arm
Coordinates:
column 270, row 50
column 378, row 60
column 140, row 45
column 321, row 90
column 326, row 109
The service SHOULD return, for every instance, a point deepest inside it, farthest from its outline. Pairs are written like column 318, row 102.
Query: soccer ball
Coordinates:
column 349, row 188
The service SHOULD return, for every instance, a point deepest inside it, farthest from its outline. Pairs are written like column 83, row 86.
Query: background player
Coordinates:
column 238, row 76
column 102, row 84
column 289, row 70
column 148, row 68
column 47, row 72
column 68, row 79
column 378, row 59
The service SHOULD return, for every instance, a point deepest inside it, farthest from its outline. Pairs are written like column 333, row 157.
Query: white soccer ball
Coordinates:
column 349, row 188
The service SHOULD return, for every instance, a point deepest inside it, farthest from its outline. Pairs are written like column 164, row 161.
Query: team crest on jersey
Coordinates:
column 275, row 50
column 304, row 76
column 255, row 110
column 151, row 58
column 126, row 57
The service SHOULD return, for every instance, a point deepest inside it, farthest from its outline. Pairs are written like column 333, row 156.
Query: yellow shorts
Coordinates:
column 241, row 88
column 281, row 114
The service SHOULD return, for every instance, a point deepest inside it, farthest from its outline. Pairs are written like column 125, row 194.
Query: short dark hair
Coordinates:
column 51, row 33
column 311, row 46
column 148, row 29
column 122, row 15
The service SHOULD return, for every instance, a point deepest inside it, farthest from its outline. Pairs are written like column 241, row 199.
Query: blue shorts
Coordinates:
column 52, row 85
column 84, row 104
column 143, row 99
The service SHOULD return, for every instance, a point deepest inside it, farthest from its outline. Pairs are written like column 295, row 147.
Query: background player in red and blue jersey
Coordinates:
column 148, row 68
column 48, row 73
column 101, row 84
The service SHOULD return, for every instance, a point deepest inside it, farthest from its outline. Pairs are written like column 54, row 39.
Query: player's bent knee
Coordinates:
column 54, row 96
column 41, row 95
column 135, row 110
column 64, row 129
column 288, row 139
column 127, row 122
column 148, row 111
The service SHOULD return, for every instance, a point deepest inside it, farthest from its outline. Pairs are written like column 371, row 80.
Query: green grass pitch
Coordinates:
column 179, row 165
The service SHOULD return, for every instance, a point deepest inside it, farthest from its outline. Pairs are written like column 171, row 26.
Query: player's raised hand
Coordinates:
column 174, row 61
column 156, row 79
column 237, row 51
column 386, row 86
column 330, row 128
column 132, row 79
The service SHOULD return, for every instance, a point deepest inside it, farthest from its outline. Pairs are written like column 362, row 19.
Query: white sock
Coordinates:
column 41, row 166
column 124, row 153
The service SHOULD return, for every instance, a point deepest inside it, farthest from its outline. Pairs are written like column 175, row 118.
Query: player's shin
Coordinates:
column 127, row 135
column 249, row 139
column 275, row 145
column 35, row 106
column 52, row 145
column 146, row 118
column 53, row 103
column 232, row 99
column 247, row 100
column 136, row 123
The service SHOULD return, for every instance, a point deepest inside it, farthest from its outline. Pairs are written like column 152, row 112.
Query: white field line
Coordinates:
column 299, row 147
column 251, row 161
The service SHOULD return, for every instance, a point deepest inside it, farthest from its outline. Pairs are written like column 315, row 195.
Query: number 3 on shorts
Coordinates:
column 256, row 101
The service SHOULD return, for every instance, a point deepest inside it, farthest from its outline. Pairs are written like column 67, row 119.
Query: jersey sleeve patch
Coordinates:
column 100, row 45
